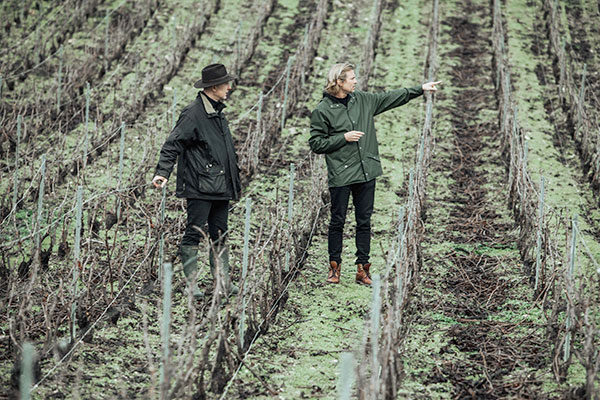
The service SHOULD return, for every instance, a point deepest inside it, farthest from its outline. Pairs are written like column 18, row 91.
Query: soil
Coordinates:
column 485, row 356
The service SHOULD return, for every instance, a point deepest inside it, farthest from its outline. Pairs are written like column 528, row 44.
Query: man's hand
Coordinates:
column 159, row 181
column 431, row 86
column 353, row 136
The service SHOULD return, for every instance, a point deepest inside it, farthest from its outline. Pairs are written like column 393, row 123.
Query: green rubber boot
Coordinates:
column 189, row 258
column 231, row 289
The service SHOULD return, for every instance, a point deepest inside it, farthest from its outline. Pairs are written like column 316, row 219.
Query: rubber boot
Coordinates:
column 189, row 258
column 231, row 289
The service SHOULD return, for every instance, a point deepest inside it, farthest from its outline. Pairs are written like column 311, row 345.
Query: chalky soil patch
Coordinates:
column 475, row 333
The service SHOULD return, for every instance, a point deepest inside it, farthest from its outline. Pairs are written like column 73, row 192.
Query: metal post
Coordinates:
column 38, row 225
column 60, row 63
column 570, row 285
column 26, row 378
column 581, row 101
column 107, row 28
column 346, row 376
column 290, row 212
column 166, row 331
column 174, row 109
column 538, row 258
column 285, row 93
column 86, row 138
column 16, row 178
column 161, row 243
column 245, row 255
column 76, row 258
column 120, row 182
column 375, row 315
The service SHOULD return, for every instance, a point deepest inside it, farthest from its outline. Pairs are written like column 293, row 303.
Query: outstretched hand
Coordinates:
column 431, row 86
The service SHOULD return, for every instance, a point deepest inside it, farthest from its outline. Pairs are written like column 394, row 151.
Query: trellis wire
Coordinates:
column 60, row 63
column 76, row 258
column 16, row 174
column 346, row 378
column 15, row 74
column 375, row 315
column 285, row 91
column 165, row 331
column 245, row 253
column 78, row 342
column 244, row 115
column 120, row 181
column 32, row 233
column 26, row 378
column 273, row 308
column 40, row 204
column 538, row 257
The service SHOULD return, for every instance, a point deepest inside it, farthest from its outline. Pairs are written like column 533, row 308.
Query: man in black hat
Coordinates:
column 207, row 173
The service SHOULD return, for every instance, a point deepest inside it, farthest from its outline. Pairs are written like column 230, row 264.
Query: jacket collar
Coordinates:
column 208, row 105
column 334, row 104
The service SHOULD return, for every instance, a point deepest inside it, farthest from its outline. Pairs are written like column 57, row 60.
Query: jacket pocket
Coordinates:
column 212, row 180
column 342, row 167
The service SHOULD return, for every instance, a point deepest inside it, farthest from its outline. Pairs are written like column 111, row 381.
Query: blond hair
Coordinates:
column 337, row 71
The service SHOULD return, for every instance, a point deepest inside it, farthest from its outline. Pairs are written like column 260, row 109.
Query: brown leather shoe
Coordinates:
column 335, row 270
column 363, row 276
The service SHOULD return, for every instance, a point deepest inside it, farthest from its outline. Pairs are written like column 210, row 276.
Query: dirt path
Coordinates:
column 474, row 328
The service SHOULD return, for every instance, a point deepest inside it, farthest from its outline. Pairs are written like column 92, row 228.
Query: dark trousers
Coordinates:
column 203, row 212
column 363, row 197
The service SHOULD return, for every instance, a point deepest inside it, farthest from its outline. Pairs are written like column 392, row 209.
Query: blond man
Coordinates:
column 342, row 127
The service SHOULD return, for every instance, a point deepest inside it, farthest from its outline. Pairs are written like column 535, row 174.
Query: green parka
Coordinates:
column 353, row 162
column 202, row 146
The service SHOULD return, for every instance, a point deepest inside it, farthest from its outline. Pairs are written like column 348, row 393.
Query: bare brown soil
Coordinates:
column 493, row 352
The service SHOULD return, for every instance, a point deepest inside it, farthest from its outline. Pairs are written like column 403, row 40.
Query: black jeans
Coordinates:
column 363, row 196
column 201, row 212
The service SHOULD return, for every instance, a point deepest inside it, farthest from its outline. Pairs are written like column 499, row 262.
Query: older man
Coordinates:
column 207, row 173
column 342, row 128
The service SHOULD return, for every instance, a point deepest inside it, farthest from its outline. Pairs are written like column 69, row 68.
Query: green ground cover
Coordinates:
column 298, row 357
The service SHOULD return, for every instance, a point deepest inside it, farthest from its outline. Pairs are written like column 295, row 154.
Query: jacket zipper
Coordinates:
column 233, row 185
column 360, row 159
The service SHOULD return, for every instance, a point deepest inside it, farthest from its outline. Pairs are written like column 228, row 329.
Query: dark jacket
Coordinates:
column 202, row 146
column 353, row 162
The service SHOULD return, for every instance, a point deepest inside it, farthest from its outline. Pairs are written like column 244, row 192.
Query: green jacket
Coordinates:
column 355, row 162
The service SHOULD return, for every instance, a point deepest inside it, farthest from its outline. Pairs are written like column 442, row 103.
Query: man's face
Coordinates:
column 349, row 84
column 219, row 92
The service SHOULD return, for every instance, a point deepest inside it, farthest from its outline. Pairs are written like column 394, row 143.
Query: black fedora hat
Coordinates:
column 212, row 75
